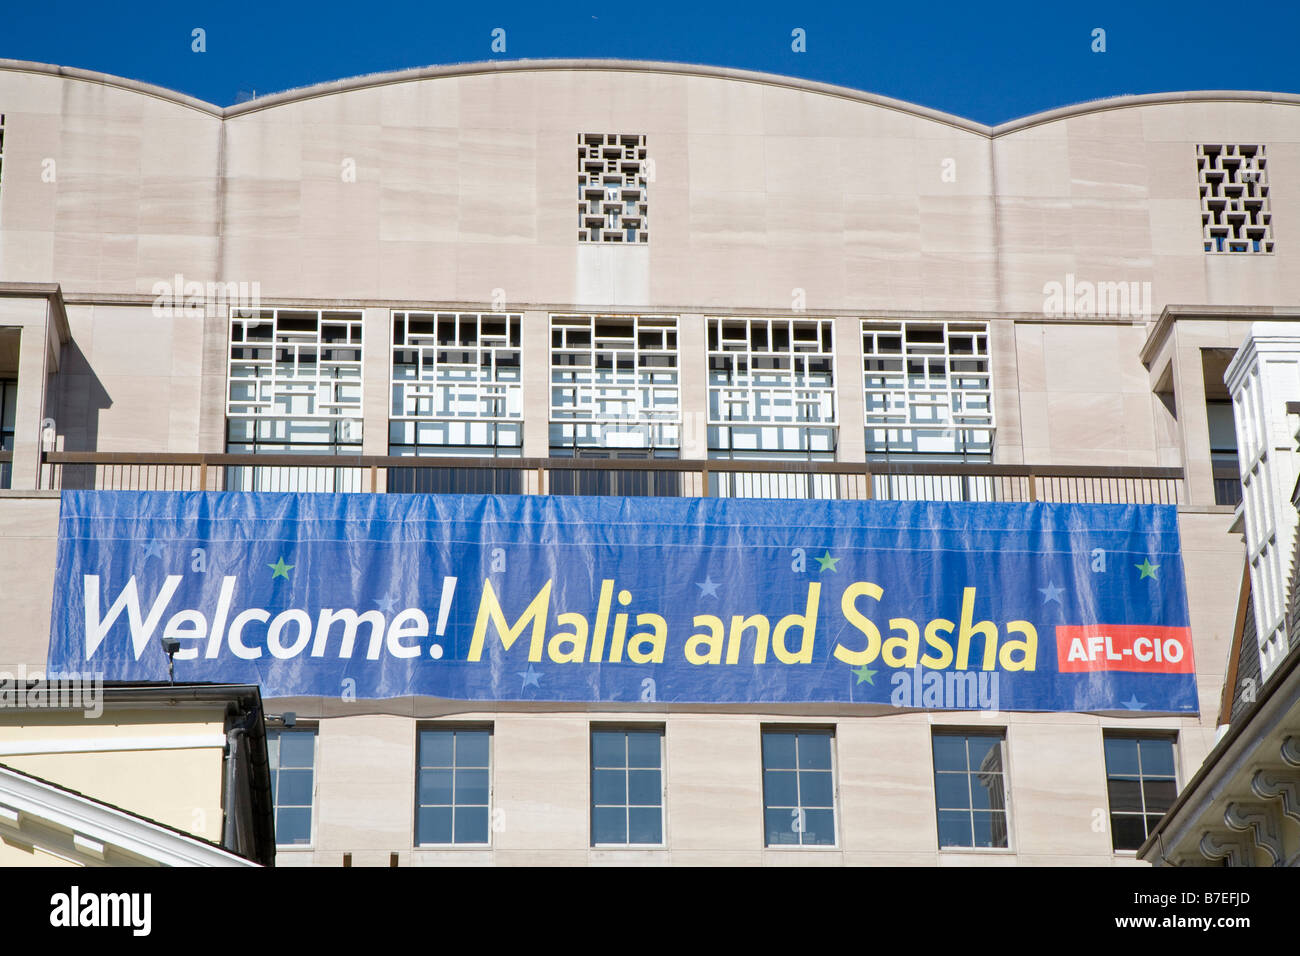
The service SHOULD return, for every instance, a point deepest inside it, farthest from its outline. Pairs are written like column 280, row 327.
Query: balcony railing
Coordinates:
column 938, row 481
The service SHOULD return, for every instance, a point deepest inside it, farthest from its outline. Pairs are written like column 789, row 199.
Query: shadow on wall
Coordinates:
column 79, row 398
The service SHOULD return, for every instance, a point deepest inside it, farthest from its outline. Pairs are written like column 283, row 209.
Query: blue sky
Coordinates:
column 990, row 63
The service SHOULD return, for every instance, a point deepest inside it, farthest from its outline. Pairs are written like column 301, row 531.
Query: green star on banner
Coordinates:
column 280, row 568
column 826, row 561
column 864, row 673
column 1148, row 569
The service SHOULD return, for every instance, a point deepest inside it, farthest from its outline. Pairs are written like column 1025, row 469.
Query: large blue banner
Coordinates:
column 1046, row 607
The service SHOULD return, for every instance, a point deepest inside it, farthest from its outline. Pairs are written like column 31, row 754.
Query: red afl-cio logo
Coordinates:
column 1139, row 648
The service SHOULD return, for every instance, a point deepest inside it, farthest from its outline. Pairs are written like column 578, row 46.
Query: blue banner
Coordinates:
column 936, row 605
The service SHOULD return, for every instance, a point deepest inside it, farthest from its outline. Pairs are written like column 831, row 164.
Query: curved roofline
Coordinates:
column 370, row 80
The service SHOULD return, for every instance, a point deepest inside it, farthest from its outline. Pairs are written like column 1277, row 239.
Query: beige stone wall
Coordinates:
column 885, row 810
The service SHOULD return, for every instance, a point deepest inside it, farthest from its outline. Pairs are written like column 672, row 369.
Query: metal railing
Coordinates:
column 909, row 481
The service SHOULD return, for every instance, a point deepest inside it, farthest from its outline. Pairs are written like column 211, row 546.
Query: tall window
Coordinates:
column 294, row 388
column 613, row 183
column 1140, row 785
column 928, row 391
column 627, row 791
column 970, row 789
column 1235, row 211
column 1223, row 453
column 455, row 787
column 8, row 405
column 798, row 788
column 292, row 756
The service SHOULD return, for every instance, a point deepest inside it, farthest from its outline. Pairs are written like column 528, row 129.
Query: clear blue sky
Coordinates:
column 986, row 62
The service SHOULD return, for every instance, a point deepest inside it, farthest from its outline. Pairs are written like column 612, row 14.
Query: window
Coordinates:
column 292, row 756
column 613, row 180
column 294, row 388
column 2, row 146
column 615, row 385
column 627, row 802
column 456, row 389
column 455, row 787
column 1140, row 784
column 927, row 390
column 798, row 788
column 970, row 790
column 8, row 406
column 1235, row 212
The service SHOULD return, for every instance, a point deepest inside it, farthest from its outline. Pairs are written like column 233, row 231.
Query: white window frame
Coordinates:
column 768, row 400
column 461, row 389
column 301, row 727
column 964, row 730
column 618, row 404
column 906, row 403
column 625, row 728
column 837, row 815
column 490, row 729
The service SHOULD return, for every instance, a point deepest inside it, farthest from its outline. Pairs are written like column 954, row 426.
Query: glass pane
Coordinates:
column 435, row 787
column 273, row 751
column 471, row 824
column 433, row 825
column 435, row 748
column 990, row 828
column 471, row 748
column 645, row 825
column 1157, row 758
column 295, row 788
column 814, row 751
column 296, row 749
column 643, row 788
column 1159, row 795
column 815, row 789
column 609, row 825
column 643, row 749
column 608, row 787
column 779, row 788
column 472, row 786
column 293, row 826
column 986, row 791
column 949, row 752
column 607, row 749
column 781, row 827
column 952, row 791
column 819, row 828
column 1125, row 795
column 778, row 751
column 985, row 753
column 1121, row 756
column 1153, row 822
column 1126, row 831
column 955, row 829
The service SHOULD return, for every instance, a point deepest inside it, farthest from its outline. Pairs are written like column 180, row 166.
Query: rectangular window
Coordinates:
column 615, row 386
column 294, row 388
column 970, row 789
column 927, row 391
column 613, row 187
column 457, row 390
column 1235, row 211
column 798, row 788
column 8, row 405
column 1140, row 785
column 627, row 787
column 454, row 787
column 292, row 757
